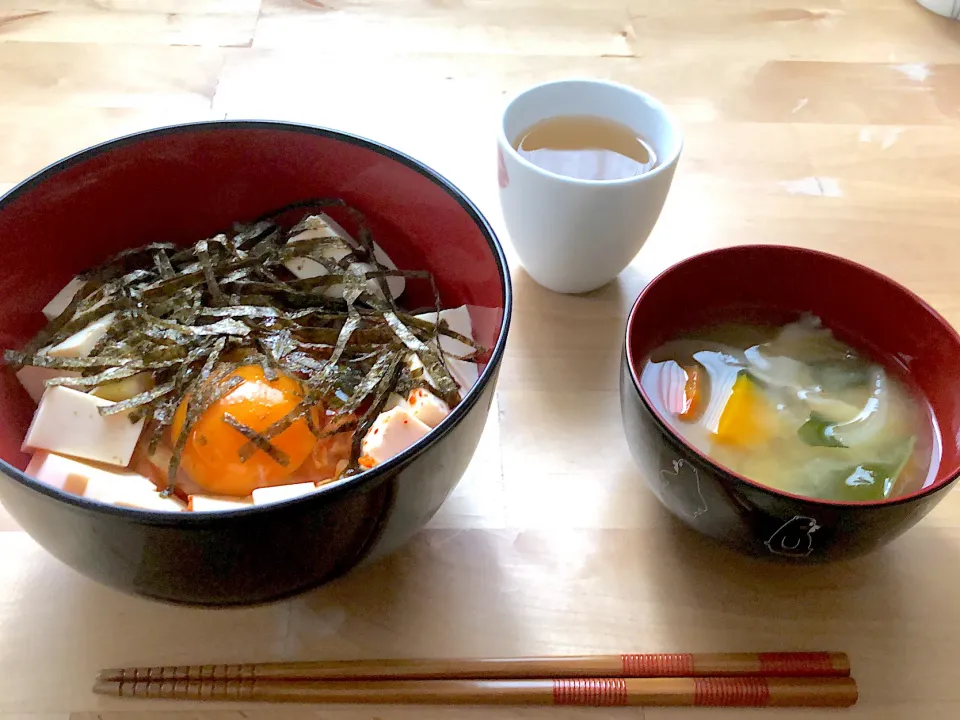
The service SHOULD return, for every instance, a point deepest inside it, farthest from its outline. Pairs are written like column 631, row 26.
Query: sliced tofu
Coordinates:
column 426, row 407
column 318, row 226
column 62, row 299
column 306, row 268
column 81, row 343
column 217, row 503
column 68, row 422
column 397, row 284
column 99, row 482
column 34, row 379
column 391, row 433
column 420, row 403
column 395, row 400
column 153, row 501
column 279, row 493
column 458, row 319
column 59, row 472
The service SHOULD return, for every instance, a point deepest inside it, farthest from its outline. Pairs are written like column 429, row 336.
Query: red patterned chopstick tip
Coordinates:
column 594, row 692
column 731, row 692
column 797, row 664
column 657, row 665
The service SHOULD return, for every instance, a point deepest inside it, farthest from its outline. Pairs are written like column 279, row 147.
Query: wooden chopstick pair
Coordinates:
column 802, row 679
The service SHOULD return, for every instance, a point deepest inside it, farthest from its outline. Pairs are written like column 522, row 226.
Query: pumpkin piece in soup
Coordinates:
column 748, row 418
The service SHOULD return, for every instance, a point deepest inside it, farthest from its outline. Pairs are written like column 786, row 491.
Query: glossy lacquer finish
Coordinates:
column 185, row 183
column 772, row 283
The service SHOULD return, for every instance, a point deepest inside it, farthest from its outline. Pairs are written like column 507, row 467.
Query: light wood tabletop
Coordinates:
column 834, row 126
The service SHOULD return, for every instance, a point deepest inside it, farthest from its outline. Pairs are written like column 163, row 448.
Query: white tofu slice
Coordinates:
column 81, row 343
column 420, row 403
column 34, row 379
column 397, row 284
column 61, row 300
column 465, row 373
column 152, row 501
column 392, row 433
column 306, row 268
column 414, row 363
column 426, row 407
column 215, row 503
column 321, row 225
column 279, row 493
column 458, row 319
column 395, row 400
column 98, row 482
column 67, row 422
column 59, row 472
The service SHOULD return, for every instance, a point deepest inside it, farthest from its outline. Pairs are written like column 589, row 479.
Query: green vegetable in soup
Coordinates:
column 867, row 481
column 867, row 427
column 818, row 432
column 862, row 429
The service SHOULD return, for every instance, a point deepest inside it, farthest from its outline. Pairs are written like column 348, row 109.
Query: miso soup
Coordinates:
column 795, row 409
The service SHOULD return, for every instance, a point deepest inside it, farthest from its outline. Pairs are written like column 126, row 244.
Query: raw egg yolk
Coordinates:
column 211, row 455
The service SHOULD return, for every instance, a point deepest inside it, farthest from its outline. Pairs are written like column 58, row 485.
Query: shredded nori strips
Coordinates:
column 381, row 394
column 191, row 316
column 275, row 453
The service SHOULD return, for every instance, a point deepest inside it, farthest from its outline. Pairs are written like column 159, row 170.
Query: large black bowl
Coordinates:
column 772, row 284
column 188, row 182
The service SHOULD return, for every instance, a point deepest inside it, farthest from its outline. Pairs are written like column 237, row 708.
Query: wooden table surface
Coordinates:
column 835, row 126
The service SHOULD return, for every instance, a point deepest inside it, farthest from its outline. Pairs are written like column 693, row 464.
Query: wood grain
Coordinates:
column 61, row 75
column 833, row 125
column 121, row 22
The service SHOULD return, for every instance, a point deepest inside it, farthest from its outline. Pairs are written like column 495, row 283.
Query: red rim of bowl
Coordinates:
column 339, row 487
column 723, row 469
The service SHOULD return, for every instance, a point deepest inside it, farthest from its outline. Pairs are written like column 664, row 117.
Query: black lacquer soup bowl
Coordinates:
column 777, row 283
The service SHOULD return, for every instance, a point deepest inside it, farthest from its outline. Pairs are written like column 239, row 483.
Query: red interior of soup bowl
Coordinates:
column 772, row 284
column 186, row 183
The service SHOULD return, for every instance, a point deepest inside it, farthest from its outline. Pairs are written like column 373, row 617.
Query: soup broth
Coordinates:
column 795, row 409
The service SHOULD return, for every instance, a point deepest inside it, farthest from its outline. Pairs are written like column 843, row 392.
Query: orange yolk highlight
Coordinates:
column 211, row 455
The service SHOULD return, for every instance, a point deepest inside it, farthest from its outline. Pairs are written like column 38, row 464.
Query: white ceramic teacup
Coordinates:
column 947, row 8
column 574, row 235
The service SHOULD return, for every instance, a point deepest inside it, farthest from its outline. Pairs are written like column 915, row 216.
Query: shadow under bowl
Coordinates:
column 773, row 284
column 188, row 182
